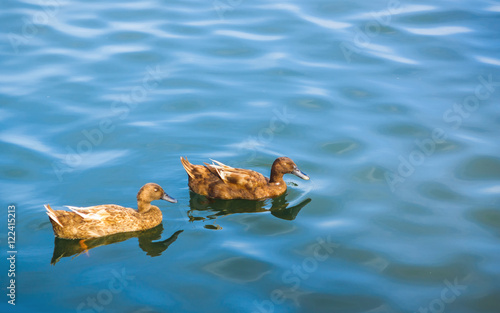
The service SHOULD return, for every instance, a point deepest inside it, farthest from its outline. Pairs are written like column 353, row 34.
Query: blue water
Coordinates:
column 391, row 107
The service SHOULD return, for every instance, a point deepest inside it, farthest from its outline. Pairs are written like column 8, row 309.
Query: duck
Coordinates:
column 220, row 181
column 107, row 219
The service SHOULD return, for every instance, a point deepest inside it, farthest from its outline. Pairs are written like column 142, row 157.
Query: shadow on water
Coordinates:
column 67, row 247
column 217, row 208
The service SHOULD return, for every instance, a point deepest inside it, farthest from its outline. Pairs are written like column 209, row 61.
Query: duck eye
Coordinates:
column 156, row 189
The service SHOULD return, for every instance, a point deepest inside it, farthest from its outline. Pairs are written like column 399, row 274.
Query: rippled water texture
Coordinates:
column 391, row 107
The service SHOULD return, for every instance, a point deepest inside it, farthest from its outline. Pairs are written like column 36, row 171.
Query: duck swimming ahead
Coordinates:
column 220, row 181
column 107, row 219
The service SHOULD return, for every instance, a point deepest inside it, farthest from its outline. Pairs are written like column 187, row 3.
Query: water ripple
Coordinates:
column 487, row 60
column 324, row 23
column 439, row 31
column 243, row 35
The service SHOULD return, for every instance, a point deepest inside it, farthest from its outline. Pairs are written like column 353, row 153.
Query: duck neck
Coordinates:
column 143, row 206
column 276, row 177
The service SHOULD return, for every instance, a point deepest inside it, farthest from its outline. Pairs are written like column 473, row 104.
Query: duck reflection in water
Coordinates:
column 69, row 247
column 219, row 208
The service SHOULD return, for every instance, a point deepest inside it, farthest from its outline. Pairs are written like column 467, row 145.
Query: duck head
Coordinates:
column 284, row 165
column 151, row 192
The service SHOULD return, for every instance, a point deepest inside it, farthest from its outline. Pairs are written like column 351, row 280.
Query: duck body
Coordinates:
column 220, row 181
column 101, row 220
column 107, row 219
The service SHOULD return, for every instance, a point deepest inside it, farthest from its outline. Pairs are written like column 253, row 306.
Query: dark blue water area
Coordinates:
column 391, row 108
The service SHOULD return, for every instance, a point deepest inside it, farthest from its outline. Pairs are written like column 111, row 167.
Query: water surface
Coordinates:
column 390, row 107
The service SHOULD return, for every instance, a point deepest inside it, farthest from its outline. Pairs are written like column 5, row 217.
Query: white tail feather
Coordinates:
column 220, row 171
column 220, row 163
column 91, row 213
column 74, row 209
column 220, row 168
column 52, row 216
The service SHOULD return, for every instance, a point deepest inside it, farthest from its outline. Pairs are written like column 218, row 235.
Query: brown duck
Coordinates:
column 220, row 181
column 108, row 219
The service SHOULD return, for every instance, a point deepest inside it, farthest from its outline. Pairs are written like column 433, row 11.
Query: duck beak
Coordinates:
column 168, row 198
column 300, row 174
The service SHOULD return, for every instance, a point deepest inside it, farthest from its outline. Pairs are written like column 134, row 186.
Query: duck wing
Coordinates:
column 231, row 175
column 100, row 212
